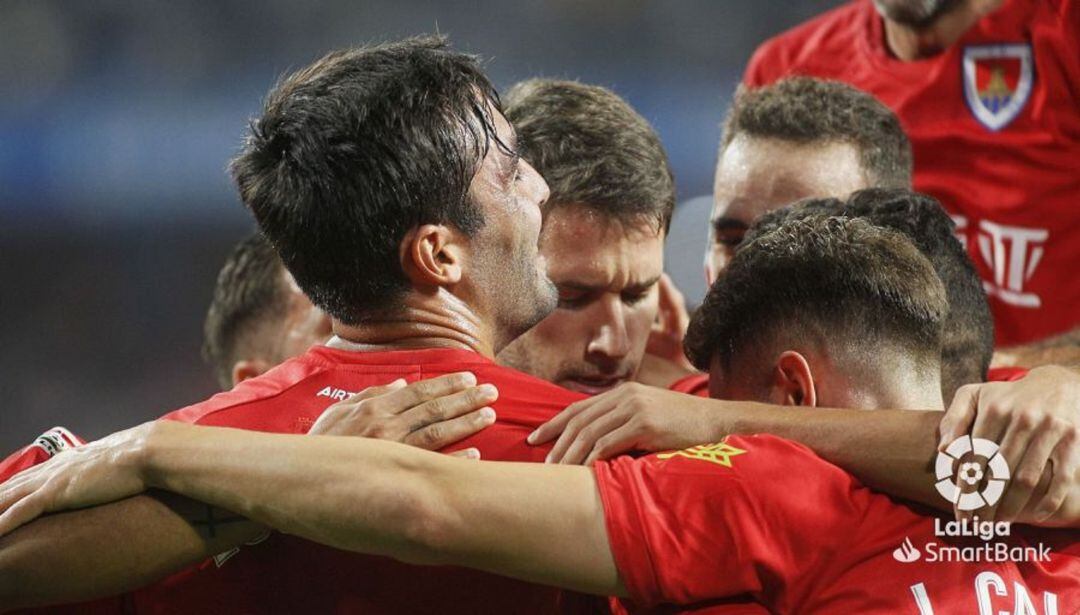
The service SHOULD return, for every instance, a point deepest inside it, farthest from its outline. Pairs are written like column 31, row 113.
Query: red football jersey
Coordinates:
column 1006, row 374
column 994, row 123
column 765, row 516
column 694, row 384
column 280, row 573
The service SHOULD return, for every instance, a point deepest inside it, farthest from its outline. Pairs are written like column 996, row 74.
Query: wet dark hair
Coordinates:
column 358, row 148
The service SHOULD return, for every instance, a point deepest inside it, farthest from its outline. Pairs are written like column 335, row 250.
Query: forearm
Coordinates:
column 107, row 550
column 1063, row 349
column 888, row 450
column 538, row 523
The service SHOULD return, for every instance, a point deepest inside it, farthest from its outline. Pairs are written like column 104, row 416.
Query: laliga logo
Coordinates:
column 968, row 497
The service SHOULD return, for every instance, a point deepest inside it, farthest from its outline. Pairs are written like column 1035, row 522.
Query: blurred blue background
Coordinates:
column 117, row 120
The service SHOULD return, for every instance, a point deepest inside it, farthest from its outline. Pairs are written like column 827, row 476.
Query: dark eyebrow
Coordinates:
column 588, row 288
column 642, row 286
column 724, row 223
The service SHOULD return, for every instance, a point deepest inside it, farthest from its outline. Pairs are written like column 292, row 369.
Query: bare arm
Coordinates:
column 1063, row 349
column 539, row 523
column 107, row 550
column 889, row 450
column 1036, row 422
column 117, row 547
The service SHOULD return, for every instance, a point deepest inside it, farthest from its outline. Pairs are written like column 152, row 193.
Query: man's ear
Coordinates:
column 433, row 255
column 793, row 381
column 249, row 368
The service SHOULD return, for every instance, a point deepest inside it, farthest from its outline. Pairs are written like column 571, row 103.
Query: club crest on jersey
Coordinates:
column 719, row 453
column 998, row 80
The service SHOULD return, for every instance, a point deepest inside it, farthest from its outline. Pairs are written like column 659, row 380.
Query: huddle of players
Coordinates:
column 461, row 262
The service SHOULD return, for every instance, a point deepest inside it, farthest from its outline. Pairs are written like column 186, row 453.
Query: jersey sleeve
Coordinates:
column 42, row 449
column 747, row 515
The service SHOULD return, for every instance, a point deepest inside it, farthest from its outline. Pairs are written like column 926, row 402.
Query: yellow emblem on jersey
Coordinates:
column 719, row 453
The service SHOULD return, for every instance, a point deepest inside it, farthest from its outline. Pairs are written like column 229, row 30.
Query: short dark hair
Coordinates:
column 358, row 148
column 249, row 294
column 592, row 148
column 840, row 282
column 968, row 336
column 808, row 110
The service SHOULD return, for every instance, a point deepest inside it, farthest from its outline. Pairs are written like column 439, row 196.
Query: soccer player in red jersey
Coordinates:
column 753, row 515
column 329, row 596
column 985, row 91
column 642, row 418
column 257, row 319
column 605, row 222
column 803, row 137
column 422, row 246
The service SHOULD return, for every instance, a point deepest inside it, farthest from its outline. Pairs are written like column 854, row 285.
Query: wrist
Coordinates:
column 148, row 442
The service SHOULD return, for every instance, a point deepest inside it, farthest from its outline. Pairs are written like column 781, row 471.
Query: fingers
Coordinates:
column 376, row 391
column 427, row 390
column 578, row 422
column 992, row 418
column 466, row 453
column 1026, row 471
column 444, row 433
column 960, row 415
column 587, row 437
column 617, row 442
column 22, row 511
column 673, row 306
column 449, row 406
column 554, row 427
column 1065, row 466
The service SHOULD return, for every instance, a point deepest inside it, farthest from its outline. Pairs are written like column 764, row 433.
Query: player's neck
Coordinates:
column 438, row 320
column 902, row 390
column 909, row 43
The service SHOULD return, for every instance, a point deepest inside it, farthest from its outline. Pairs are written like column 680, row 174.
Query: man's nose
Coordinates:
column 610, row 338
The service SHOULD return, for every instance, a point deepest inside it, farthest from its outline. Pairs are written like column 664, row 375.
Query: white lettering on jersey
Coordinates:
column 922, row 600
column 1012, row 253
column 335, row 394
column 985, row 583
column 960, row 231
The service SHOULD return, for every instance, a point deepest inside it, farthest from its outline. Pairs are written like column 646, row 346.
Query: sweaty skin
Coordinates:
column 755, row 176
column 606, row 271
column 458, row 301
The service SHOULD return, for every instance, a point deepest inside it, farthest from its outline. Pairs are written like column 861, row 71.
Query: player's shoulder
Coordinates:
column 262, row 389
column 799, row 49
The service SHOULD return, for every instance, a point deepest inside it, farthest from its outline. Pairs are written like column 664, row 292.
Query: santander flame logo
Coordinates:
column 906, row 552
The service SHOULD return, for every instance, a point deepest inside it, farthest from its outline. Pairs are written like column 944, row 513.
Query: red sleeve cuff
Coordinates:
column 628, row 540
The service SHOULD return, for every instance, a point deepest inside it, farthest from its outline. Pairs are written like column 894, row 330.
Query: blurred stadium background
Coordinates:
column 117, row 119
